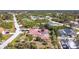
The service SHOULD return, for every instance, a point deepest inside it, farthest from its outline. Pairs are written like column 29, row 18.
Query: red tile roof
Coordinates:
column 43, row 34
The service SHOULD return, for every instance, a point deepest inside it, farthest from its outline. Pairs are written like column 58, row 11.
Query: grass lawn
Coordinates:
column 13, row 28
column 29, row 37
column 31, row 23
column 5, row 37
column 11, row 45
column 27, row 22
column 8, row 25
column 19, row 38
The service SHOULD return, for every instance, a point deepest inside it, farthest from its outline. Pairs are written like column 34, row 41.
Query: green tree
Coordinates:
column 1, row 36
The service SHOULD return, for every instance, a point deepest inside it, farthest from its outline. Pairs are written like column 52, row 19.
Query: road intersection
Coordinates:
column 17, row 32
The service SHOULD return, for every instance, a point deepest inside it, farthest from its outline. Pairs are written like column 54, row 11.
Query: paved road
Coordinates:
column 57, row 23
column 15, row 23
column 17, row 32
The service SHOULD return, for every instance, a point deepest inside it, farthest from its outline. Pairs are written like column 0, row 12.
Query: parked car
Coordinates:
column 7, row 32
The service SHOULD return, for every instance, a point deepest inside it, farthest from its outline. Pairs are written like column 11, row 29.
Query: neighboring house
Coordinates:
column 48, row 17
column 54, row 24
column 37, row 17
column 67, row 38
column 74, row 24
column 33, row 17
column 77, row 19
column 42, row 33
column 67, row 32
column 40, row 17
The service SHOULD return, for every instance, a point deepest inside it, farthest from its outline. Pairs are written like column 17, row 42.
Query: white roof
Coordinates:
column 77, row 32
column 72, row 44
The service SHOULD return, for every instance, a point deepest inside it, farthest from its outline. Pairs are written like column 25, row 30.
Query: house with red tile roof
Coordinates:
column 42, row 33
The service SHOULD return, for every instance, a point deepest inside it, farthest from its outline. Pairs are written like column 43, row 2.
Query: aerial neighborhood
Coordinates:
column 37, row 29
